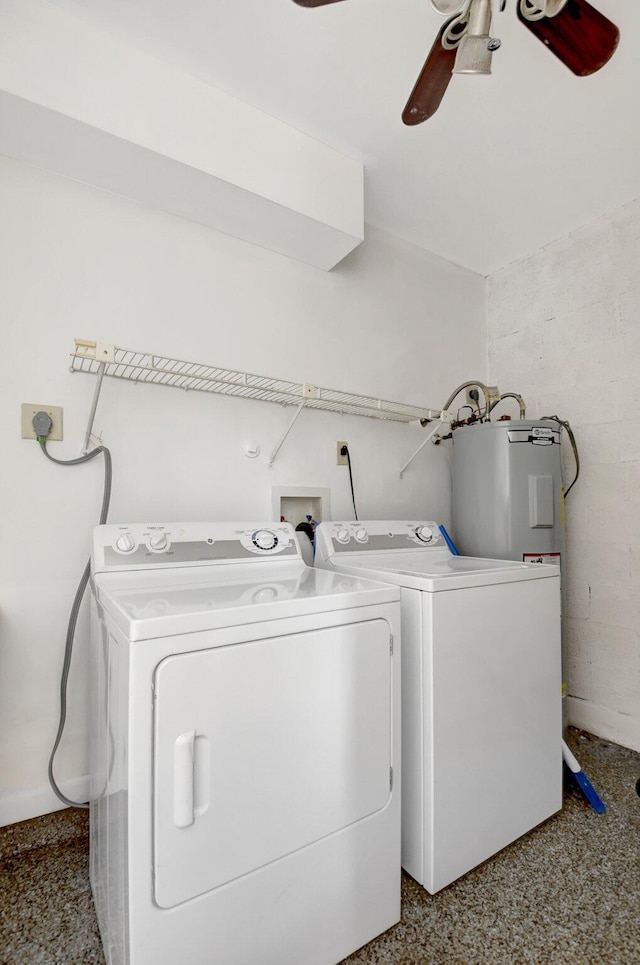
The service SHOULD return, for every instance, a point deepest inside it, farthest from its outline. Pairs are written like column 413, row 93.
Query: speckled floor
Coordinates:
column 567, row 893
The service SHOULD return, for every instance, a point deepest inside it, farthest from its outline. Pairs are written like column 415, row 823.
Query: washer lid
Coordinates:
column 436, row 571
column 150, row 604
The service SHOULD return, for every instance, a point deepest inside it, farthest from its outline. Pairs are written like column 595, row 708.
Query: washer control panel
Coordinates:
column 140, row 545
column 373, row 536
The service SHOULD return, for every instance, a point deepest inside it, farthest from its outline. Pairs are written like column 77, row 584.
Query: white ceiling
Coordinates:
column 508, row 163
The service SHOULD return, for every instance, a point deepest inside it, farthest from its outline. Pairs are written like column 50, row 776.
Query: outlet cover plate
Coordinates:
column 474, row 403
column 54, row 411
column 340, row 459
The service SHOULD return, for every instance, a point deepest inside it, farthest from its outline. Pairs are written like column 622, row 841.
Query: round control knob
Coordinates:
column 343, row 536
column 361, row 535
column 424, row 534
column 125, row 543
column 265, row 594
column 264, row 539
column 159, row 542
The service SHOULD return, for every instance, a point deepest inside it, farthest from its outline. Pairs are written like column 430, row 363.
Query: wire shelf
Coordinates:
column 101, row 358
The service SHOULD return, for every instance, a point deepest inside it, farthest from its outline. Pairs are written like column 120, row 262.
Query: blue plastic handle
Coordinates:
column 449, row 541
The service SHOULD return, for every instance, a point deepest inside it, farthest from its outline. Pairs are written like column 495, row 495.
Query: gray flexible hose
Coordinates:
column 75, row 608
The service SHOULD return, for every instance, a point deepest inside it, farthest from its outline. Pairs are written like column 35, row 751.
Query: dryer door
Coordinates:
column 262, row 748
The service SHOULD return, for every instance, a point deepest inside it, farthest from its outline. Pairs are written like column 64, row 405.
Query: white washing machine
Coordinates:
column 245, row 801
column 481, row 691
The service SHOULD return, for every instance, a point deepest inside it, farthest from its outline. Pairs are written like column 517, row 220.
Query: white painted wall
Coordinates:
column 563, row 331
column 390, row 320
column 161, row 136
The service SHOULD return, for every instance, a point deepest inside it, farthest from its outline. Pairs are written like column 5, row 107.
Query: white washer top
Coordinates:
column 212, row 575
column 413, row 554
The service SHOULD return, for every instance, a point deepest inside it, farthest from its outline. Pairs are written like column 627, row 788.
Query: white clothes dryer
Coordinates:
column 245, row 805
column 481, row 691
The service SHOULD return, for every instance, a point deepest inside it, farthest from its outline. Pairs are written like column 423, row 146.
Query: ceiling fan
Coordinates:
column 578, row 34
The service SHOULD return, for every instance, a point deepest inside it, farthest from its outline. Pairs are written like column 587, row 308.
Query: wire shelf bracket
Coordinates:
column 104, row 359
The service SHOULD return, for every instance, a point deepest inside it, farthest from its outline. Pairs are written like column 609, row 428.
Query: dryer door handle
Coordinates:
column 191, row 768
column 183, row 768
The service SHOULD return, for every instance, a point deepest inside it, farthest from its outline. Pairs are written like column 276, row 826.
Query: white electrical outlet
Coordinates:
column 340, row 459
column 53, row 411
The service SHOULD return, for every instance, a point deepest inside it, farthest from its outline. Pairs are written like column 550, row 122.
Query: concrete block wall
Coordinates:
column 563, row 331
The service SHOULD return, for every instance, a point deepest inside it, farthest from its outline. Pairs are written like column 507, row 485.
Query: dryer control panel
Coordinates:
column 376, row 535
column 151, row 545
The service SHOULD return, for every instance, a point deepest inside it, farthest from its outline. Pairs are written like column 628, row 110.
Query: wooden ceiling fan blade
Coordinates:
column 580, row 36
column 314, row 3
column 431, row 85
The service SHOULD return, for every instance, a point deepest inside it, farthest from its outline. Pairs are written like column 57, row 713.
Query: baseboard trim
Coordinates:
column 24, row 803
column 608, row 724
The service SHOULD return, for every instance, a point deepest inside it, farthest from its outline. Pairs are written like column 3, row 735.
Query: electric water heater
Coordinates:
column 507, row 498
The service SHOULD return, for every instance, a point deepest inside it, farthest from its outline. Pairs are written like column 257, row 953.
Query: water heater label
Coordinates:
column 553, row 558
column 536, row 435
